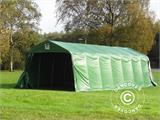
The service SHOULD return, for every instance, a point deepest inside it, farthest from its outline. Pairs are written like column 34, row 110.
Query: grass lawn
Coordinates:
column 20, row 104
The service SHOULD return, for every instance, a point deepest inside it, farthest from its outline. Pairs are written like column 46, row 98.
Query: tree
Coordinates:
column 70, row 36
column 77, row 36
column 90, row 14
column 23, row 41
column 4, row 43
column 94, row 14
column 15, row 15
column 100, row 35
column 157, row 27
column 110, row 22
column 53, row 36
column 137, row 32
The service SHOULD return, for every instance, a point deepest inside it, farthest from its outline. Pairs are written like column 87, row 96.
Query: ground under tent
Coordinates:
column 80, row 67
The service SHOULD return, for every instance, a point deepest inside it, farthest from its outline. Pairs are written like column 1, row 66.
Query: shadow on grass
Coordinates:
column 9, row 85
column 13, row 86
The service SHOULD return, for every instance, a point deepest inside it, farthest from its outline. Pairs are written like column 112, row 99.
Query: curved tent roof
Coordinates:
column 99, row 50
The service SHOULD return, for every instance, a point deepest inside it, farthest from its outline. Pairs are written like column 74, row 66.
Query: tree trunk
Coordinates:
column 11, row 52
column 11, row 59
column 109, row 39
column 111, row 35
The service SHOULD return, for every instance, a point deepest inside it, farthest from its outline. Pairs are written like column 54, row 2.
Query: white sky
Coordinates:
column 49, row 20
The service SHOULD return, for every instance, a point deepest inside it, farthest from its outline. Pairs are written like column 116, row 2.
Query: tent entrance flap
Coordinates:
column 52, row 71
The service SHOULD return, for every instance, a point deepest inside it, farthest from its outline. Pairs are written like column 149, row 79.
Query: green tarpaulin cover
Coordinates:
column 95, row 67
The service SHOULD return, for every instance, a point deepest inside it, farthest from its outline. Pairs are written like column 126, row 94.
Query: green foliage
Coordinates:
column 23, row 41
column 16, row 14
column 20, row 19
column 157, row 27
column 77, row 36
column 137, row 33
column 70, row 36
column 53, row 36
column 4, row 43
column 100, row 35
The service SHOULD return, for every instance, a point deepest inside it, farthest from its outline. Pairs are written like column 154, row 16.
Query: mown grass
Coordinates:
column 21, row 104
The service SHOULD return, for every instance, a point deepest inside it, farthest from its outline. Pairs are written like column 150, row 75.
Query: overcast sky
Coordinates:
column 49, row 20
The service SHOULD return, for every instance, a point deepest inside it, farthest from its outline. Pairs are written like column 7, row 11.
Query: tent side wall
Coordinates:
column 107, row 73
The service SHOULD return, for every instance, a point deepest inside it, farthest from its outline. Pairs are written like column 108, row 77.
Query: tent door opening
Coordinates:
column 52, row 71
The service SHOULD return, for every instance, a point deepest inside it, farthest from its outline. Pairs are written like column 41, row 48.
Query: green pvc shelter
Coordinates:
column 83, row 67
